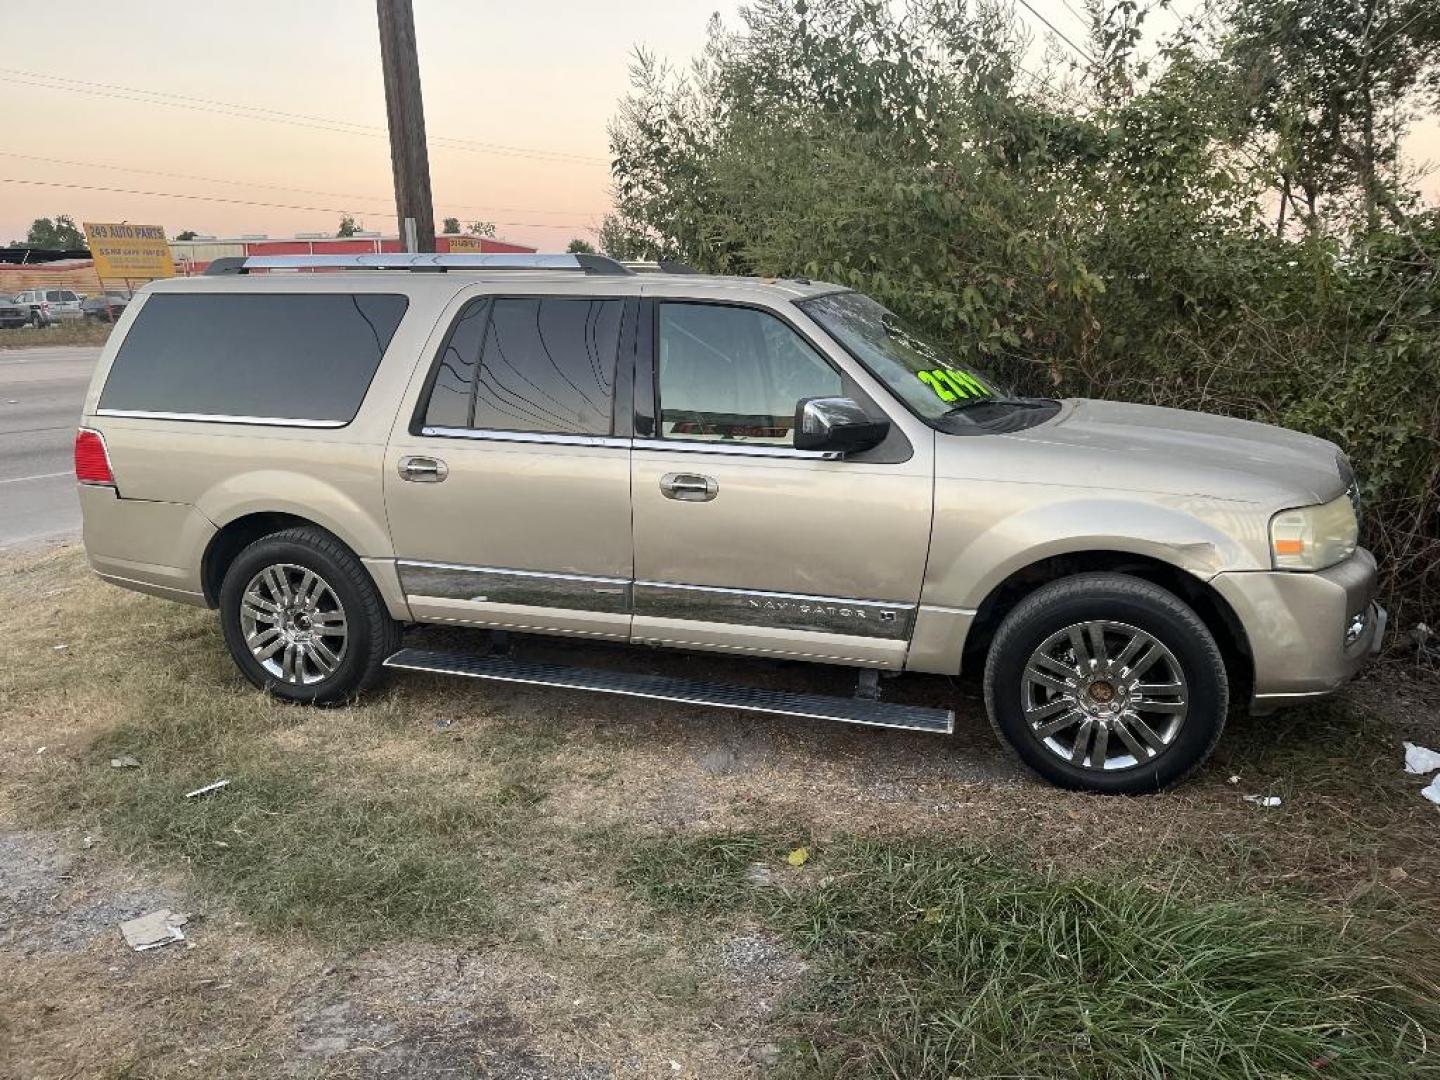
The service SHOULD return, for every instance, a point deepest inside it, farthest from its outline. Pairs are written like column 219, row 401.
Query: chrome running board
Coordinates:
column 682, row 691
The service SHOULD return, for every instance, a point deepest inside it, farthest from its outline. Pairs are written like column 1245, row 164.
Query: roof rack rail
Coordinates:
column 659, row 266
column 424, row 262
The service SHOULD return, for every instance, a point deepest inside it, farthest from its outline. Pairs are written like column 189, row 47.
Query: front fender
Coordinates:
column 981, row 540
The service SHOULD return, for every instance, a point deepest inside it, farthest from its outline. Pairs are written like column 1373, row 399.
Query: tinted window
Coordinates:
column 735, row 373
column 544, row 366
column 453, row 394
column 53, row 295
column 283, row 356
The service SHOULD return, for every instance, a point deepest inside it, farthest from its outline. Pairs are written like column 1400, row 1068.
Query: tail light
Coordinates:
column 92, row 460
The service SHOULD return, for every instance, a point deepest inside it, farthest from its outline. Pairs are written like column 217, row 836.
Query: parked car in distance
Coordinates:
column 104, row 307
column 55, row 304
column 558, row 444
column 13, row 313
column 38, row 307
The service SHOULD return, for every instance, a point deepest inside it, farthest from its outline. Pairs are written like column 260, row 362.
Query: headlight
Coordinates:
column 1314, row 537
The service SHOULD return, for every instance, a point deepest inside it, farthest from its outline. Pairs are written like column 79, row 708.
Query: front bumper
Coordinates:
column 1309, row 633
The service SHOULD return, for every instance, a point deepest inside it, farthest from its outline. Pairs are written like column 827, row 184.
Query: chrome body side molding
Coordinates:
column 489, row 585
column 787, row 611
column 697, row 603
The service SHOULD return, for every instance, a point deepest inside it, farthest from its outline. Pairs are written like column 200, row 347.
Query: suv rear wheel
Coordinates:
column 1108, row 683
column 303, row 620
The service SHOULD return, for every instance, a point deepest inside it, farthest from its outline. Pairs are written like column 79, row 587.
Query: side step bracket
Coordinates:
column 751, row 698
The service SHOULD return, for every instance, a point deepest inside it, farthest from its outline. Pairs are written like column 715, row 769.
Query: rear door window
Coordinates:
column 281, row 356
column 541, row 365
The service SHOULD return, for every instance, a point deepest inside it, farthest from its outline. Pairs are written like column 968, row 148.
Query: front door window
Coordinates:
column 734, row 374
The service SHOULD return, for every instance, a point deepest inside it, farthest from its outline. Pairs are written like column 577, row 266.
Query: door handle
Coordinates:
column 689, row 487
column 423, row 470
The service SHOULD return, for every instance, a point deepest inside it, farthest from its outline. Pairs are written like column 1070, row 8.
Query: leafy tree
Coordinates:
column 451, row 226
column 1102, row 228
column 347, row 226
column 188, row 234
column 1333, row 85
column 59, row 233
column 622, row 240
column 482, row 228
column 579, row 245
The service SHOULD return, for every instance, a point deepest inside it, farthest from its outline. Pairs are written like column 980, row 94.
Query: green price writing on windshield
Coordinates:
column 951, row 385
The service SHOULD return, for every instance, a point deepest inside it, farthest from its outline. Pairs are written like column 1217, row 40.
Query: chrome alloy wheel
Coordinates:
column 1104, row 695
column 293, row 623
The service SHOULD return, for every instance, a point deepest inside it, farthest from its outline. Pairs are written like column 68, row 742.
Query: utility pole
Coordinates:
column 408, row 156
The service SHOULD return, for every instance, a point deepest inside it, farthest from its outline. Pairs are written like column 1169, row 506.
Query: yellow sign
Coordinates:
column 129, row 252
column 464, row 244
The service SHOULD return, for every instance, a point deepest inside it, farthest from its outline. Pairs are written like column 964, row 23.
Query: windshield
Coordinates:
column 916, row 369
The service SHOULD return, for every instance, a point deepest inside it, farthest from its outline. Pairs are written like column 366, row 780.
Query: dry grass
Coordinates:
column 432, row 880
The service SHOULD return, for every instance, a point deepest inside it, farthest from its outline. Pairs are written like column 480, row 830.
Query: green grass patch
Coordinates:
column 69, row 332
column 936, row 961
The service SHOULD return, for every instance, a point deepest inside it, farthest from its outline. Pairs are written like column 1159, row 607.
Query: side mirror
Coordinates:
column 836, row 423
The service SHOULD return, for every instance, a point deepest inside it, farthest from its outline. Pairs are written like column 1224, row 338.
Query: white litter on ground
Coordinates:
column 207, row 789
column 154, row 930
column 1420, row 759
column 1263, row 800
column 1432, row 792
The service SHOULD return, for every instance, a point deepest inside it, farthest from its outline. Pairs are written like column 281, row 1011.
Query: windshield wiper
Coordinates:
column 1018, row 403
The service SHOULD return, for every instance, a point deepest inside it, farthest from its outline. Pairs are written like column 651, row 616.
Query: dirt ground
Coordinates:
column 581, row 981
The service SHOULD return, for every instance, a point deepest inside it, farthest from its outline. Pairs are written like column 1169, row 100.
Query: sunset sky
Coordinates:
column 517, row 95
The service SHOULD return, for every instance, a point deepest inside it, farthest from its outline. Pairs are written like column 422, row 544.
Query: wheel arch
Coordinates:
column 236, row 535
column 1219, row 617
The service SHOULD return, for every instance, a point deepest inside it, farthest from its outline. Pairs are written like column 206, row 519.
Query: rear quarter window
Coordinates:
column 302, row 356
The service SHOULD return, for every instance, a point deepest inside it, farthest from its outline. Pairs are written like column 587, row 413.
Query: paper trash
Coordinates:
column 1420, row 759
column 1263, row 800
column 153, row 930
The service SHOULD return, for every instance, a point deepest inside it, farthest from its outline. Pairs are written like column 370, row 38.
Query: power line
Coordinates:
column 235, row 110
column 1083, row 20
column 274, row 206
column 1056, row 31
column 256, row 112
column 273, row 187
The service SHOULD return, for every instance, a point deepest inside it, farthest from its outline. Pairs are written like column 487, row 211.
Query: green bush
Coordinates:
column 1106, row 233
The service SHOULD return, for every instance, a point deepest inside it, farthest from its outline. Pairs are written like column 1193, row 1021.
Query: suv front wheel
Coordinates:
column 1108, row 683
column 303, row 619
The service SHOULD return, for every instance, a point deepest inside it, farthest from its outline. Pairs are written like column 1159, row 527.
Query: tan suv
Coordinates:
column 780, row 468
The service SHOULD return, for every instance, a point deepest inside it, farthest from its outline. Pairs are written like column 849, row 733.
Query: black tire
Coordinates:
column 1135, row 603
column 371, row 634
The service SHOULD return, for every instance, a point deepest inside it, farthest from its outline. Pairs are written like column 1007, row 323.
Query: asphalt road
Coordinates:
column 41, row 393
